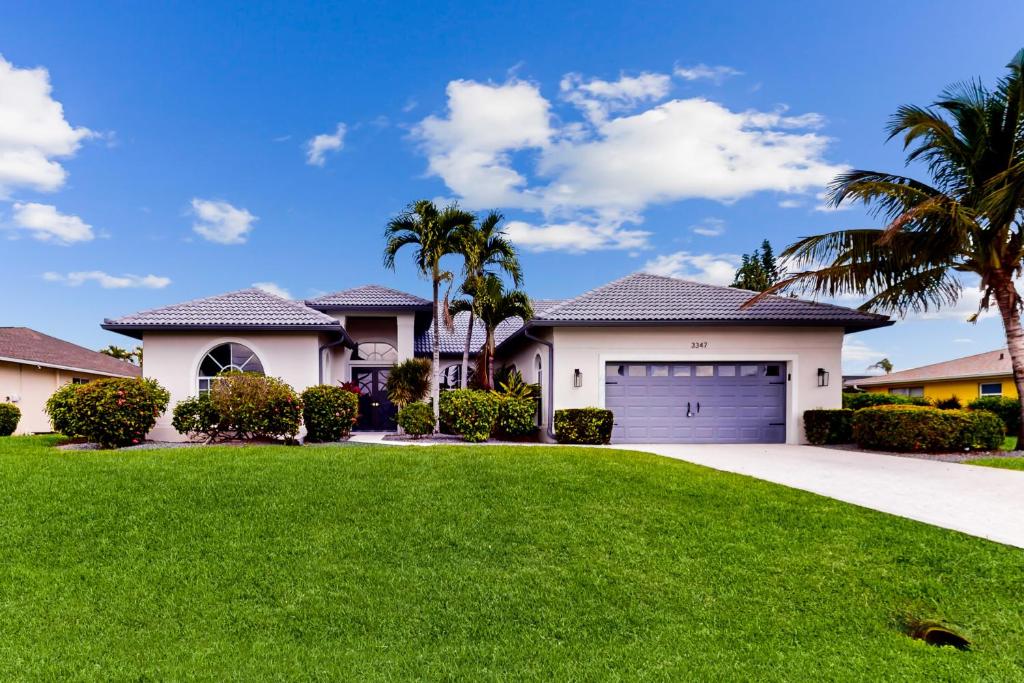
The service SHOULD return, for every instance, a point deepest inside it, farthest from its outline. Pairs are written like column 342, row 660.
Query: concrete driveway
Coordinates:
column 981, row 501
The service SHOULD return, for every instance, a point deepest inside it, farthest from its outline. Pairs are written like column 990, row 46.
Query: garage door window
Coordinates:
column 680, row 370
column 771, row 371
column 615, row 370
column 705, row 371
column 659, row 371
column 726, row 370
column 748, row 371
column 637, row 370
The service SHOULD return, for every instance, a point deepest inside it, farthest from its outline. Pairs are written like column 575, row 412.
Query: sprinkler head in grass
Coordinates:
column 936, row 633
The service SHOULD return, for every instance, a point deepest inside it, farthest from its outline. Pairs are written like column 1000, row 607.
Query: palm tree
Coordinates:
column 493, row 305
column 486, row 251
column 885, row 365
column 968, row 219
column 118, row 353
column 435, row 234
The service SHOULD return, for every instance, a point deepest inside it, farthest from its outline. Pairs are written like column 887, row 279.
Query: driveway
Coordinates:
column 980, row 501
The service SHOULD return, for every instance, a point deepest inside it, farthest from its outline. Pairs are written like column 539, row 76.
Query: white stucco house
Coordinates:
column 675, row 360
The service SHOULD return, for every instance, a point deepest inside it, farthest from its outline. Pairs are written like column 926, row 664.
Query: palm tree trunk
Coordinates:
column 465, row 353
column 1007, row 299
column 489, row 343
column 435, row 368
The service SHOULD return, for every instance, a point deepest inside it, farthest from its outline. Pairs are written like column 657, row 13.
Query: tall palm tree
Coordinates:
column 493, row 305
column 968, row 219
column 486, row 250
column 435, row 234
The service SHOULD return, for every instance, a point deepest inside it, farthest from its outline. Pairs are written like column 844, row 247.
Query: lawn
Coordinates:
column 1013, row 463
column 375, row 562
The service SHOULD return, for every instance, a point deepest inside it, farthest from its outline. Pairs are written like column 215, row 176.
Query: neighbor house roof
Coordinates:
column 370, row 298
column 642, row 298
column 988, row 364
column 454, row 342
column 247, row 309
column 23, row 345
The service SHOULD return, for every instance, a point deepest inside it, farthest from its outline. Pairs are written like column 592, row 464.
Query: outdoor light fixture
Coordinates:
column 822, row 377
column 577, row 378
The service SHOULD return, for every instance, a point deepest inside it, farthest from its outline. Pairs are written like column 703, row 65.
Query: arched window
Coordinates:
column 378, row 351
column 451, row 376
column 225, row 358
column 538, row 368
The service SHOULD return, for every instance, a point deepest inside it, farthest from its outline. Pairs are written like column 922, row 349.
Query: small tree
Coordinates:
column 885, row 365
column 758, row 271
column 409, row 381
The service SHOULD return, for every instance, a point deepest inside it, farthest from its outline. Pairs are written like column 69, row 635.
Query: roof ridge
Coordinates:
column 942, row 362
column 290, row 302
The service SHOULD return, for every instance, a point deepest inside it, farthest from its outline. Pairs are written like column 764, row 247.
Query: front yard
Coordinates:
column 367, row 562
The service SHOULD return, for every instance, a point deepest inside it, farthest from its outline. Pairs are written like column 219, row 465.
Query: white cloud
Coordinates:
column 597, row 98
column 857, row 355
column 714, row 269
column 574, row 237
column 710, row 227
column 273, row 288
column 219, row 221
column 790, row 204
column 45, row 223
column 716, row 74
column 107, row 281
column 318, row 147
column 963, row 340
column 33, row 131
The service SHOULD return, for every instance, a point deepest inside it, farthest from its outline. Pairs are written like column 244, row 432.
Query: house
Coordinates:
column 967, row 378
column 33, row 365
column 677, row 361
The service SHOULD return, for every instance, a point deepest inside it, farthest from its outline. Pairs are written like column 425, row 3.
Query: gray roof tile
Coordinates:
column 454, row 342
column 369, row 297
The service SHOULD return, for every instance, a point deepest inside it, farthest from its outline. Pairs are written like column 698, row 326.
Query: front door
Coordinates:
column 376, row 412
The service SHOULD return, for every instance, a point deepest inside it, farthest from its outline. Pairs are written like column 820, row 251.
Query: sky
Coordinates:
column 152, row 153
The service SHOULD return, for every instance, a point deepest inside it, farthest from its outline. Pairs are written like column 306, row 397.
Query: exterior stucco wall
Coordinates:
column 804, row 350
column 524, row 357
column 173, row 360
column 31, row 385
column 966, row 389
column 396, row 329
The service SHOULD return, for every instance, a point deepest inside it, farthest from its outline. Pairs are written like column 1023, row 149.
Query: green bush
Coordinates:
column 919, row 401
column 516, row 417
column 584, row 425
column 470, row 413
column 1008, row 410
column 196, row 417
column 920, row 428
column 417, row 419
column 117, row 412
column 9, row 416
column 61, row 409
column 251, row 406
column 829, row 426
column 951, row 403
column 409, row 381
column 329, row 413
column 870, row 399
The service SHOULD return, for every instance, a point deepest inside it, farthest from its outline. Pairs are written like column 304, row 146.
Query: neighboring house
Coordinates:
column 983, row 374
column 33, row 365
column 677, row 361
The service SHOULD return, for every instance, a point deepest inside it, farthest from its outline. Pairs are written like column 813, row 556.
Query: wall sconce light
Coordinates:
column 577, row 378
column 822, row 377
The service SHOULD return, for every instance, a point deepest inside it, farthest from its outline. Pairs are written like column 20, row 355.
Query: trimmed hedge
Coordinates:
column 516, row 417
column 824, row 426
column 116, row 412
column 9, row 416
column 1008, row 410
column 872, row 398
column 584, row 425
column 251, row 406
column 61, row 409
column 471, row 414
column 416, row 419
column 329, row 413
column 196, row 417
column 920, row 428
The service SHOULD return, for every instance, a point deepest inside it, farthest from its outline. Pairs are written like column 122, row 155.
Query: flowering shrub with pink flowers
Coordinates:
column 117, row 412
column 329, row 412
column 251, row 406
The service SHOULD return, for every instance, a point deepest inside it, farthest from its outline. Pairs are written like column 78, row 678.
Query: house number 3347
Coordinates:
column 699, row 345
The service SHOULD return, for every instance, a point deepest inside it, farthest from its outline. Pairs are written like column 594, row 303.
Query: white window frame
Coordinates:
column 981, row 389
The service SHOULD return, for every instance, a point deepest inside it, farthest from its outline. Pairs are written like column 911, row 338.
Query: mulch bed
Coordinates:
column 957, row 456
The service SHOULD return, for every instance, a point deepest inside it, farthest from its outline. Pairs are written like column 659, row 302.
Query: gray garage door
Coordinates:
column 697, row 402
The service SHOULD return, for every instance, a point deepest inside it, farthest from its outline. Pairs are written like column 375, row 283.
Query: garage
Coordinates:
column 707, row 402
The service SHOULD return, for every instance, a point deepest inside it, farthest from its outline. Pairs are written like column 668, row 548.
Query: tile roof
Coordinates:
column 22, row 344
column 369, row 297
column 246, row 308
column 454, row 342
column 988, row 364
column 642, row 297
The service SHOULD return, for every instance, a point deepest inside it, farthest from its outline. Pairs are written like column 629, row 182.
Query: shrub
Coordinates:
column 951, row 403
column 329, row 412
column 919, row 428
column 417, row 419
column 196, row 417
column 829, row 426
column 872, row 398
column 516, row 417
column 117, row 412
column 470, row 413
column 9, row 416
column 1008, row 409
column 251, row 406
column 584, row 425
column 919, row 401
column 409, row 381
column 61, row 409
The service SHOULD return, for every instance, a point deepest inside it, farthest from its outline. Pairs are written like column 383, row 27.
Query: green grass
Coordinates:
column 484, row 563
column 1003, row 463
column 1009, row 444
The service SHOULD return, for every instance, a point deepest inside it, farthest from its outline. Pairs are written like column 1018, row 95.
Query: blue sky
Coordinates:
column 192, row 149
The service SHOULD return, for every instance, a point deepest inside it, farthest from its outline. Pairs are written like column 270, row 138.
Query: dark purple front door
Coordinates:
column 376, row 412
column 736, row 402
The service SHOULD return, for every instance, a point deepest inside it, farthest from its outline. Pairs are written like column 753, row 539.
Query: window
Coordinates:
column 376, row 351
column 771, row 371
column 79, row 380
column 612, row 370
column 538, row 368
column 637, row 370
column 907, row 391
column 990, row 389
column 680, row 370
column 451, row 376
column 748, row 371
column 227, row 358
column 659, row 371
column 705, row 371
column 726, row 370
